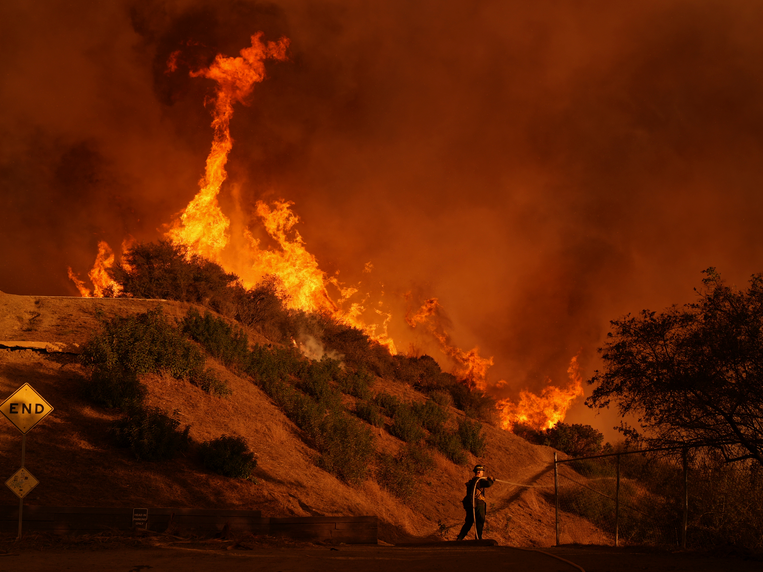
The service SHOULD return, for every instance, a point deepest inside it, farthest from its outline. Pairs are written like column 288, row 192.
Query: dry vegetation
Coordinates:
column 77, row 463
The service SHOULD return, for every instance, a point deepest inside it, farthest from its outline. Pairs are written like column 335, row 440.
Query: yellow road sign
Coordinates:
column 25, row 408
column 22, row 482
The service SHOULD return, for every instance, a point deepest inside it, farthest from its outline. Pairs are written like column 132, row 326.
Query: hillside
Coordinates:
column 77, row 464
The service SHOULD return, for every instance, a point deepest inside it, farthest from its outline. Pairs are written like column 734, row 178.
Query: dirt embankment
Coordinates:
column 73, row 457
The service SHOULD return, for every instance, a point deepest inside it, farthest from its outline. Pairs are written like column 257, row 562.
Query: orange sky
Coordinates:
column 540, row 170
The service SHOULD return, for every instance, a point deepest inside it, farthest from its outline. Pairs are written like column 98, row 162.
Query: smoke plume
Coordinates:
column 539, row 168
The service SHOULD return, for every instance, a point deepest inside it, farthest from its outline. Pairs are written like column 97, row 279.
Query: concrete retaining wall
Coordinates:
column 79, row 520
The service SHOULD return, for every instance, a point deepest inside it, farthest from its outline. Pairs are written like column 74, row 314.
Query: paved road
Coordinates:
column 365, row 559
column 610, row 559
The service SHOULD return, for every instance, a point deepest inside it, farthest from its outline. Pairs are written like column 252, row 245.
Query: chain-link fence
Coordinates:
column 664, row 497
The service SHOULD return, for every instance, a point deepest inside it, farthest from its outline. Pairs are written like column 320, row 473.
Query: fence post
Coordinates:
column 685, row 523
column 617, row 504
column 556, row 495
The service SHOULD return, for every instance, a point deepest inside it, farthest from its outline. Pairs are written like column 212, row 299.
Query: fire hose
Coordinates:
column 516, row 484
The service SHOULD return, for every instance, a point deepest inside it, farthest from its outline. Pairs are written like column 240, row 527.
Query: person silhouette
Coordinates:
column 474, row 502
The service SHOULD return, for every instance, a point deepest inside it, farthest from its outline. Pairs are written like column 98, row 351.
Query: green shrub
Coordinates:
column 472, row 402
column 143, row 343
column 369, row 412
column 343, row 443
column 128, row 347
column 306, row 412
column 261, row 305
column 346, row 447
column 389, row 403
column 431, row 415
column 421, row 372
column 277, row 362
column 406, row 425
column 442, row 398
column 208, row 381
column 401, row 474
column 419, row 458
column 114, row 387
column 358, row 350
column 220, row 339
column 471, row 437
column 262, row 308
column 356, row 383
column 280, row 392
column 228, row 456
column 331, row 368
column 449, row 445
column 316, row 381
column 151, row 435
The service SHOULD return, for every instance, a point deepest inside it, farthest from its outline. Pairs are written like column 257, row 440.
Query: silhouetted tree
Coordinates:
column 165, row 270
column 575, row 439
column 693, row 374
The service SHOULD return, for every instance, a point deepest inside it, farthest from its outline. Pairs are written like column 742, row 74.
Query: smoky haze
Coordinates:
column 539, row 169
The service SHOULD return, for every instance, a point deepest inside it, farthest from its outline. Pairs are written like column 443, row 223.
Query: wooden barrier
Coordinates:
column 79, row 520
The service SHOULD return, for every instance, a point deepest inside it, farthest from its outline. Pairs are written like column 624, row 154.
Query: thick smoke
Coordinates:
column 539, row 168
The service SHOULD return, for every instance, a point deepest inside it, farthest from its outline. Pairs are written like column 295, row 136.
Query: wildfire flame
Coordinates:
column 203, row 227
column 470, row 366
column 204, row 230
column 102, row 282
column 297, row 269
column 545, row 410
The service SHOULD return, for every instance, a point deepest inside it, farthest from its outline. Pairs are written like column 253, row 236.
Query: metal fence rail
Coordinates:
column 643, row 496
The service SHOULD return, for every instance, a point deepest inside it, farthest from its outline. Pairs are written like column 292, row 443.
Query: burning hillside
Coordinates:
column 538, row 170
column 203, row 230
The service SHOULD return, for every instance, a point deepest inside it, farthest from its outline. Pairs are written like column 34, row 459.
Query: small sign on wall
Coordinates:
column 140, row 518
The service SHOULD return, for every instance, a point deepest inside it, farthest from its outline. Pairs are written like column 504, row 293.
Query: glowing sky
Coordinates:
column 540, row 168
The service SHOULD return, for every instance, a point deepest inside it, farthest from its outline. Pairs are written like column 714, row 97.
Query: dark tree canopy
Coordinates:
column 165, row 270
column 692, row 374
column 576, row 440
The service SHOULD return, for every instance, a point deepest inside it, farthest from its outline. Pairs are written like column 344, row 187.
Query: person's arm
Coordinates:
column 488, row 482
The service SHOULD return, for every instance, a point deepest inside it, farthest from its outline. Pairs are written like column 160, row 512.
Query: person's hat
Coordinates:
column 479, row 468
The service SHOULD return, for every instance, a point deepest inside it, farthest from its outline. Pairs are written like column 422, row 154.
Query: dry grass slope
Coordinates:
column 77, row 464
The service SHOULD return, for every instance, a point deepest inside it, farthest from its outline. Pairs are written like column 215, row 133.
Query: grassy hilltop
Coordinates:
column 367, row 435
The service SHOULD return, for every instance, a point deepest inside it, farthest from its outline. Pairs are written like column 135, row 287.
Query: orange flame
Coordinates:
column 545, row 410
column 203, row 227
column 470, row 366
column 301, row 278
column 102, row 282
column 305, row 285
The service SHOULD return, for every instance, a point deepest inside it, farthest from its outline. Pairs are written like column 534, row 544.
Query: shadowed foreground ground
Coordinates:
column 232, row 557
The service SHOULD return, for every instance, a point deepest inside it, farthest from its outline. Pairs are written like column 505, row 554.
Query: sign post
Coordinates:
column 25, row 408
